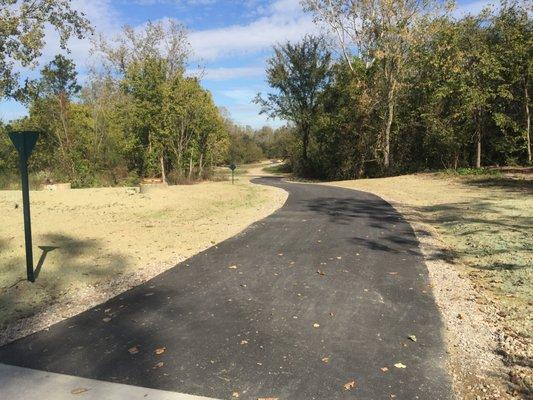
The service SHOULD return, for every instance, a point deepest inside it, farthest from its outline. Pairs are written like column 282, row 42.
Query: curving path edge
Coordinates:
column 322, row 293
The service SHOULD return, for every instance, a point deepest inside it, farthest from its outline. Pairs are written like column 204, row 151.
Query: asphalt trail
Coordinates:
column 325, row 291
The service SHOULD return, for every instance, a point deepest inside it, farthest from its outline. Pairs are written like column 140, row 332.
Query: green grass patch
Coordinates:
column 472, row 172
column 278, row 169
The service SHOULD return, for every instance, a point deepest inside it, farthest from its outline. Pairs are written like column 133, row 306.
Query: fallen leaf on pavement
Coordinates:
column 325, row 360
column 400, row 365
column 412, row 337
column 320, row 272
column 133, row 350
column 393, row 273
column 160, row 350
column 78, row 391
column 243, row 342
column 316, row 325
column 158, row 365
column 106, row 319
column 350, row 385
column 339, row 258
column 235, row 394
column 384, row 369
column 232, row 267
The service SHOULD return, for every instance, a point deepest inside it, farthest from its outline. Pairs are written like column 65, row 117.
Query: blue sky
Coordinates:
column 230, row 40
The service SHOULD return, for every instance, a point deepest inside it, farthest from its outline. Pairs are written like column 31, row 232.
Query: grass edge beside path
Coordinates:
column 112, row 239
column 490, row 352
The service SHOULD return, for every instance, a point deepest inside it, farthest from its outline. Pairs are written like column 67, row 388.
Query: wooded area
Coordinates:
column 412, row 88
column 137, row 116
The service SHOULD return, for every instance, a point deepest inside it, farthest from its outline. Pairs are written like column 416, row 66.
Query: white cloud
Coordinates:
column 473, row 8
column 240, row 95
column 285, row 21
column 243, row 111
column 278, row 22
column 105, row 20
column 224, row 74
column 286, row 6
column 249, row 115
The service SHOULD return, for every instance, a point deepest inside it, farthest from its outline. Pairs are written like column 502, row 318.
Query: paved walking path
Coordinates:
column 322, row 293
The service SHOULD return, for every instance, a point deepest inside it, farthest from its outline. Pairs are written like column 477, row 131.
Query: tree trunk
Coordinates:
column 305, row 143
column 478, row 152
column 178, row 163
column 360, row 168
column 390, row 117
column 163, row 175
column 528, row 125
column 201, row 166
column 66, row 147
column 190, row 166
column 62, row 115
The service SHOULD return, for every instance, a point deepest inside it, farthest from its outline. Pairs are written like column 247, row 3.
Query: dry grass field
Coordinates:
column 94, row 243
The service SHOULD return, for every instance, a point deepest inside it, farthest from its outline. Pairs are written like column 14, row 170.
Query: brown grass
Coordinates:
column 95, row 243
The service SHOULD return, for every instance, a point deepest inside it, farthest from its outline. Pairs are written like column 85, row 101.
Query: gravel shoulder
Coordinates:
column 96, row 243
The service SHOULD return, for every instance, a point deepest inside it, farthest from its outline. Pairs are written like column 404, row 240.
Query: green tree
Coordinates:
column 193, row 127
column 349, row 126
column 144, row 84
column 480, row 74
column 146, row 62
column 381, row 32
column 512, row 37
column 51, row 110
column 166, row 41
column 22, row 24
column 298, row 73
column 434, row 130
column 108, row 145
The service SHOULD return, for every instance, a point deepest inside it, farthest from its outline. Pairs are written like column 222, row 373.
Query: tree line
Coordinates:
column 138, row 115
column 395, row 86
column 413, row 88
column 248, row 145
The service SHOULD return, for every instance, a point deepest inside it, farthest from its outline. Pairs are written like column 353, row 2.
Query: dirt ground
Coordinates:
column 477, row 236
column 92, row 244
